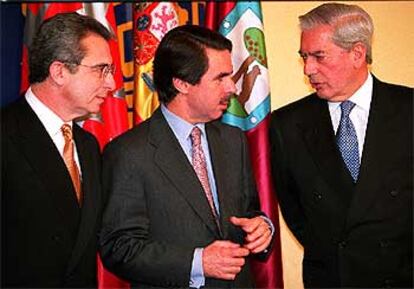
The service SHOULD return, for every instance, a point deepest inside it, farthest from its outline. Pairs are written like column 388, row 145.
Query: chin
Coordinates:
column 323, row 95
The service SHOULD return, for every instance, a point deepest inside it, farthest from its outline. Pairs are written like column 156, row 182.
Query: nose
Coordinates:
column 109, row 82
column 230, row 86
column 309, row 66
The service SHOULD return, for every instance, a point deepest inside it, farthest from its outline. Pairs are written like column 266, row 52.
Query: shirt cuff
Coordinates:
column 271, row 227
column 197, row 273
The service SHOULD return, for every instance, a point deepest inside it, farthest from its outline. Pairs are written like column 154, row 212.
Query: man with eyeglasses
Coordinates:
column 342, row 159
column 51, row 194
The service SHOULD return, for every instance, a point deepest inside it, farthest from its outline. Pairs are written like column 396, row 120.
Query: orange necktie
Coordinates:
column 69, row 159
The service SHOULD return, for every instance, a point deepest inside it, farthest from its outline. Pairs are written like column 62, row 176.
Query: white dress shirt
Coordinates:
column 359, row 114
column 52, row 123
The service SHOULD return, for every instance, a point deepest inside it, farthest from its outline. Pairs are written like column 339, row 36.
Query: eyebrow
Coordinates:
column 305, row 54
column 223, row 74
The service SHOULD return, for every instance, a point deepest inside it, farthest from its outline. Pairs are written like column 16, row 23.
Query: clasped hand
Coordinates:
column 225, row 259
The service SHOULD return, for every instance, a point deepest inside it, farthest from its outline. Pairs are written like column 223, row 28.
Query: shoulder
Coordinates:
column 85, row 137
column 396, row 90
column 14, row 110
column 303, row 108
column 393, row 96
column 225, row 132
column 224, row 128
column 131, row 141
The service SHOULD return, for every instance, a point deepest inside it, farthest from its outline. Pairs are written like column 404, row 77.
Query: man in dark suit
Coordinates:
column 51, row 193
column 183, row 209
column 342, row 159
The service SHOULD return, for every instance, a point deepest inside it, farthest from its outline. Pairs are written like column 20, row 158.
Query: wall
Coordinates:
column 392, row 50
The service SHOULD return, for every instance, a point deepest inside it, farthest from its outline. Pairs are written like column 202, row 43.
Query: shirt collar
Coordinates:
column 362, row 97
column 50, row 120
column 181, row 127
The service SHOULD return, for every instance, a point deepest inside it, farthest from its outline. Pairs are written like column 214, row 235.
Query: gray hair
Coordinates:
column 351, row 24
column 59, row 39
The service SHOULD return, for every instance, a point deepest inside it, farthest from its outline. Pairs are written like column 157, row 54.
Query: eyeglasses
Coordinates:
column 104, row 69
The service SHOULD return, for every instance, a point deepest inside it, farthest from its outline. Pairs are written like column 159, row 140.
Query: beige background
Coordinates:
column 393, row 51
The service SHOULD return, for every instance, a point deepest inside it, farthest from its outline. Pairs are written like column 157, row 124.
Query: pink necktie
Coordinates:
column 69, row 159
column 200, row 167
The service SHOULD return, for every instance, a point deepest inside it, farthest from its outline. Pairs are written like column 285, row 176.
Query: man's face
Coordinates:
column 86, row 89
column 331, row 69
column 208, row 99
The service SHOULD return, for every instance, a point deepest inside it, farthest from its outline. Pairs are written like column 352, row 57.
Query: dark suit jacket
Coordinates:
column 47, row 240
column 354, row 235
column 158, row 213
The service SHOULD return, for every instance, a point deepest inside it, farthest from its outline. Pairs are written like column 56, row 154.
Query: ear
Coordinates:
column 359, row 52
column 57, row 72
column 181, row 85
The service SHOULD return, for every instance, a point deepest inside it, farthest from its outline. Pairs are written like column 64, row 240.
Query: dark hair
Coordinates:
column 181, row 54
column 58, row 39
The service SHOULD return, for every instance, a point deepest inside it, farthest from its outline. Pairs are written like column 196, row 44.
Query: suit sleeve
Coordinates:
column 285, row 187
column 249, row 184
column 253, row 203
column 126, row 245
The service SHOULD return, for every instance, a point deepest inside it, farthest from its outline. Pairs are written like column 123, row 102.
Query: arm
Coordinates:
column 256, row 226
column 285, row 188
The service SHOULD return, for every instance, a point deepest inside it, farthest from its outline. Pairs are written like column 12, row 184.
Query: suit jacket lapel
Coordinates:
column 40, row 151
column 172, row 161
column 91, row 195
column 318, row 134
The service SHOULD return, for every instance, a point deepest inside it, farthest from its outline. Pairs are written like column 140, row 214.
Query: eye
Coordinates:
column 320, row 58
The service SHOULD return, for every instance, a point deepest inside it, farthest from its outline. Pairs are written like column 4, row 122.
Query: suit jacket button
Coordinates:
column 317, row 196
column 342, row 244
column 394, row 193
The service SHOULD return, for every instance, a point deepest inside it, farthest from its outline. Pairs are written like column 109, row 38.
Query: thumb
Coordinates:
column 238, row 221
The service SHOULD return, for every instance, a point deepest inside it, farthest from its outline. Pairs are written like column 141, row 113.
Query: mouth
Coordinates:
column 224, row 102
column 316, row 85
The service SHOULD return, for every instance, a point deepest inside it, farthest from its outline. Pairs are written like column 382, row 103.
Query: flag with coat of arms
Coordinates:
column 249, row 109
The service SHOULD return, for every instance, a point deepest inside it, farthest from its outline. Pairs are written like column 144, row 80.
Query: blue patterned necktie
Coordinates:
column 347, row 141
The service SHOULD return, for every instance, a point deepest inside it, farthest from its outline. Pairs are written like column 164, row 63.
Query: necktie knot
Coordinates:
column 346, row 108
column 67, row 132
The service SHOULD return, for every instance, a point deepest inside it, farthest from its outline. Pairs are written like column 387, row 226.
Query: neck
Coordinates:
column 49, row 94
column 180, row 108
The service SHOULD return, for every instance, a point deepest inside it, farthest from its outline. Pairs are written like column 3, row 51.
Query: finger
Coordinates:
column 232, row 262
column 238, row 221
column 226, row 244
column 248, row 225
column 239, row 252
column 227, row 276
column 260, row 244
column 262, row 229
column 231, row 270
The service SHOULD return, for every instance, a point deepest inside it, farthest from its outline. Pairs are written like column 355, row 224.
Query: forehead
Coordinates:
column 315, row 39
column 96, row 47
column 219, row 61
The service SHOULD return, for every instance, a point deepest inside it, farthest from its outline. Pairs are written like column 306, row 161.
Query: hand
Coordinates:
column 223, row 260
column 258, row 233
